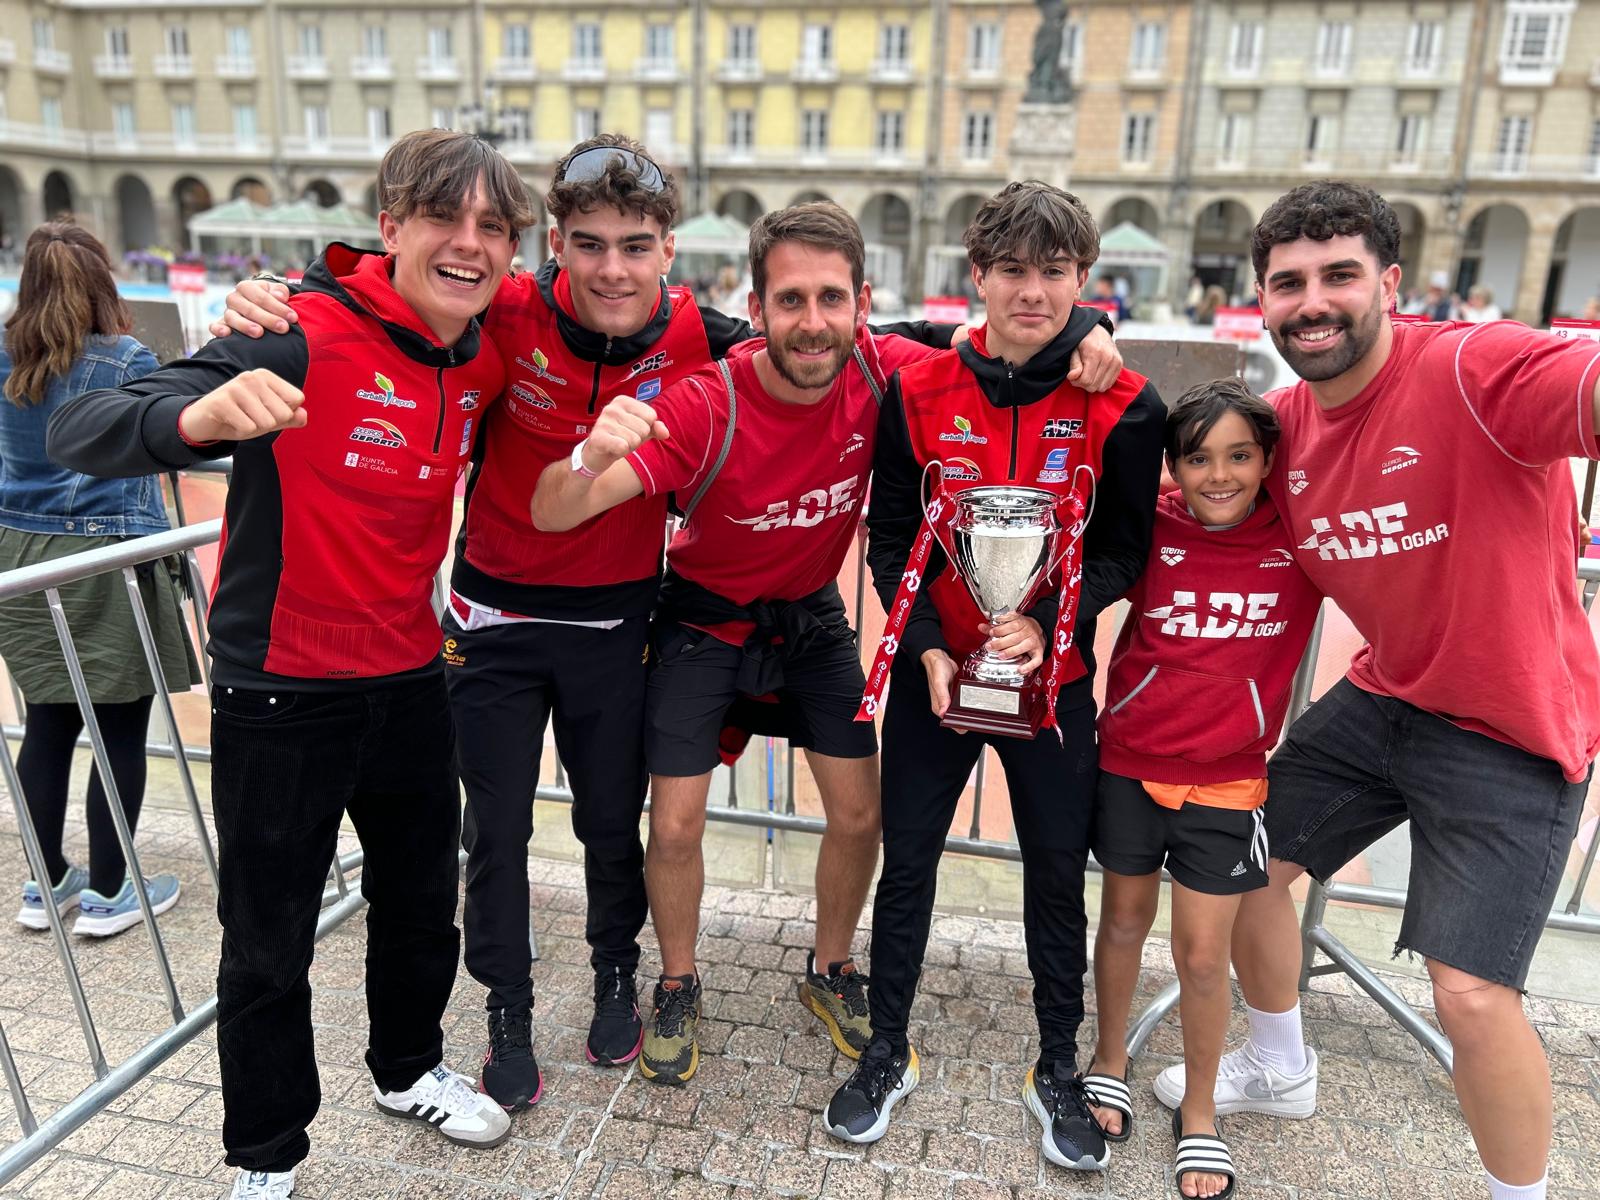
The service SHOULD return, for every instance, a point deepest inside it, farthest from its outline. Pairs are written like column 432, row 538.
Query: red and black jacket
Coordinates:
column 333, row 532
column 1024, row 425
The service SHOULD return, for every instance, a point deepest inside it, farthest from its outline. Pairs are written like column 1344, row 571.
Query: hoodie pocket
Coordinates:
column 1172, row 713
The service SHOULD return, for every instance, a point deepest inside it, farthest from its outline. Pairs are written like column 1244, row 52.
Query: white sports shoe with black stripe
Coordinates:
column 452, row 1105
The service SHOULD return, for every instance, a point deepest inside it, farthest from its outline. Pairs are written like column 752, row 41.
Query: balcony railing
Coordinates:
column 55, row 62
column 739, row 70
column 514, row 69
column 362, row 148
column 815, row 70
column 307, row 66
column 790, row 156
column 174, row 66
column 656, row 70
column 1270, row 160
column 42, row 137
column 1525, row 72
column 580, row 70
column 1145, row 72
column 236, row 66
column 8, row 52
column 372, row 68
column 1420, row 68
column 161, row 145
column 113, row 66
column 891, row 70
column 1553, row 168
column 438, row 70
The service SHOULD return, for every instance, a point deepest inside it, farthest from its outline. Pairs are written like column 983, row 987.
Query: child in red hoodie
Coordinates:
column 1197, row 691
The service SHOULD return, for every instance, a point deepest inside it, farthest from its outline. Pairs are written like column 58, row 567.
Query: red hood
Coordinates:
column 368, row 278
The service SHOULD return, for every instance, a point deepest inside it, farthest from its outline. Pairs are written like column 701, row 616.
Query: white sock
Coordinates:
column 1278, row 1039
column 1506, row 1191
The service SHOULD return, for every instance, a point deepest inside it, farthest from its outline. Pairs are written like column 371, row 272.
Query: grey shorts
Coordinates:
column 1491, row 825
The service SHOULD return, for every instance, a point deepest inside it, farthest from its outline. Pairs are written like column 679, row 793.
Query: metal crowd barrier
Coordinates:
column 1315, row 936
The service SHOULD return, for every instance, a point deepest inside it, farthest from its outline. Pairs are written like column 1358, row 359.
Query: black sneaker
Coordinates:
column 616, row 1032
column 1072, row 1137
column 670, row 1053
column 510, row 1074
column 859, row 1111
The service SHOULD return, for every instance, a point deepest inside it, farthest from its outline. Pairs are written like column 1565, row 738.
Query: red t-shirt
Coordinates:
column 777, row 520
column 1436, row 509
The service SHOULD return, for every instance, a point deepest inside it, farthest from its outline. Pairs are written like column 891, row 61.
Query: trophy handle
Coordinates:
column 1069, row 540
column 922, row 502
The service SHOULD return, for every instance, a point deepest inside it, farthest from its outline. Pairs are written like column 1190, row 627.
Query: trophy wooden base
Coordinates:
column 980, row 706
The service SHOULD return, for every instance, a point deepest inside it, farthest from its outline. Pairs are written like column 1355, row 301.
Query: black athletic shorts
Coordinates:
column 692, row 692
column 1220, row 851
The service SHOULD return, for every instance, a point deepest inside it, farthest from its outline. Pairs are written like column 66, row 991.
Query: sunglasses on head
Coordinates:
column 593, row 162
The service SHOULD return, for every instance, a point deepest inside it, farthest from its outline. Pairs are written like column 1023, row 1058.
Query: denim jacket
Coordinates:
column 38, row 496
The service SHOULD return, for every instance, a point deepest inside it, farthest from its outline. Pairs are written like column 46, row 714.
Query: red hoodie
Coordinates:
column 1200, row 677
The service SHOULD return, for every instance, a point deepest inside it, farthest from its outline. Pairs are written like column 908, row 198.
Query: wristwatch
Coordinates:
column 579, row 465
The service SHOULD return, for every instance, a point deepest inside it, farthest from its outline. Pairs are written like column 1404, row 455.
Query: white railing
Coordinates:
column 819, row 70
column 57, row 62
column 584, row 70
column 1524, row 72
column 113, row 66
column 42, row 137
column 174, row 66
column 514, row 69
column 160, row 145
column 371, row 67
column 739, row 70
column 236, row 66
column 893, row 70
column 438, row 70
column 656, row 70
column 306, row 66
column 364, row 148
column 8, row 51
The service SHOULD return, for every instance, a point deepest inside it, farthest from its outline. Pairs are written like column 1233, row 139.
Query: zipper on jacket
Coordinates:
column 594, row 392
column 1011, row 400
column 438, row 433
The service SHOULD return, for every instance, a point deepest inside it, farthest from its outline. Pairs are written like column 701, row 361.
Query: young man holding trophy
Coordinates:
column 1044, row 494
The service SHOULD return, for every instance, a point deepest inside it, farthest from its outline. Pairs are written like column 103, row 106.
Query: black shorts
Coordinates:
column 1220, row 851
column 692, row 689
column 1491, row 825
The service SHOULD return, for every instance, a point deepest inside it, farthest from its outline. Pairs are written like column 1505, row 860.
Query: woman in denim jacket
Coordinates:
column 69, row 335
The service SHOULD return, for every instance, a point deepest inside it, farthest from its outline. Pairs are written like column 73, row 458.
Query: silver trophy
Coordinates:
column 1004, row 540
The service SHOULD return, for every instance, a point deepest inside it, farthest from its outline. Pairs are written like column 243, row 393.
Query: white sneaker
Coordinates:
column 262, row 1185
column 1246, row 1084
column 451, row 1104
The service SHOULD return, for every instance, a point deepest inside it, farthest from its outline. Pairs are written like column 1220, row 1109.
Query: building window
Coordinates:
column 894, row 45
column 311, row 41
column 658, row 130
column 122, row 121
column 44, row 33
column 586, row 43
column 816, row 46
column 517, row 121
column 977, row 136
column 1511, row 144
column 50, row 114
column 1244, row 48
column 983, row 47
column 439, row 49
column 444, row 117
column 658, row 44
column 244, row 124
column 1071, row 47
column 518, row 43
column 316, row 116
column 1149, row 48
column 1593, row 163
column 380, row 129
column 1233, row 144
column 1332, row 53
column 742, row 43
column 889, row 133
column 814, row 131
column 238, row 41
column 1410, row 134
column 1424, row 46
column 117, row 42
column 375, row 43
column 585, row 124
column 1138, row 137
column 1322, row 139
column 741, row 130
column 183, row 124
column 178, row 41
column 1535, row 34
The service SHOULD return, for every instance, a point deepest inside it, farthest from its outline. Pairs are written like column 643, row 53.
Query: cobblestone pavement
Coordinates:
column 747, row 1124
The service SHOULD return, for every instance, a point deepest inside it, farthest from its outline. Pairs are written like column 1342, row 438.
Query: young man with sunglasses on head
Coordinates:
column 348, row 434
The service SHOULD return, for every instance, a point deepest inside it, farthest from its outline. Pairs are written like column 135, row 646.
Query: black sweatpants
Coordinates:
column 1052, row 785
column 506, row 683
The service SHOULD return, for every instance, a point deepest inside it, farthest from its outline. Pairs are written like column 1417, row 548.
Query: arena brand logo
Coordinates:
column 1280, row 557
column 1058, row 429
column 655, row 362
column 1172, row 555
column 540, row 365
column 385, row 393
column 855, row 443
column 961, row 468
column 1298, row 482
column 1225, row 615
column 375, row 431
column 1400, row 457
column 1369, row 533
column 964, row 434
column 812, row 508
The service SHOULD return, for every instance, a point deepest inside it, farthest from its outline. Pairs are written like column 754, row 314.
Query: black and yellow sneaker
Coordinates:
column 1070, row 1136
column 859, row 1111
column 839, row 999
column 670, row 1054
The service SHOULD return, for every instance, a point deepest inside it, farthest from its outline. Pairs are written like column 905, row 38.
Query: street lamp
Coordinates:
column 484, row 118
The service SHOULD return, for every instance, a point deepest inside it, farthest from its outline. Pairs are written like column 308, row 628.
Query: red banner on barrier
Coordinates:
column 1574, row 327
column 186, row 277
column 1236, row 325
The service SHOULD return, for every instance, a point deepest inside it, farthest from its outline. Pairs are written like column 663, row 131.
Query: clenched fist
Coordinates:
column 624, row 425
column 247, row 406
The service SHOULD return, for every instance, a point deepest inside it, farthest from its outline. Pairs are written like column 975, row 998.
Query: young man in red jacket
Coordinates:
column 348, row 433
column 1425, row 480
column 1000, row 409
column 1195, row 697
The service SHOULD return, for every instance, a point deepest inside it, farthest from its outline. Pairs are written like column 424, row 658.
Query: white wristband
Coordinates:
column 578, row 464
